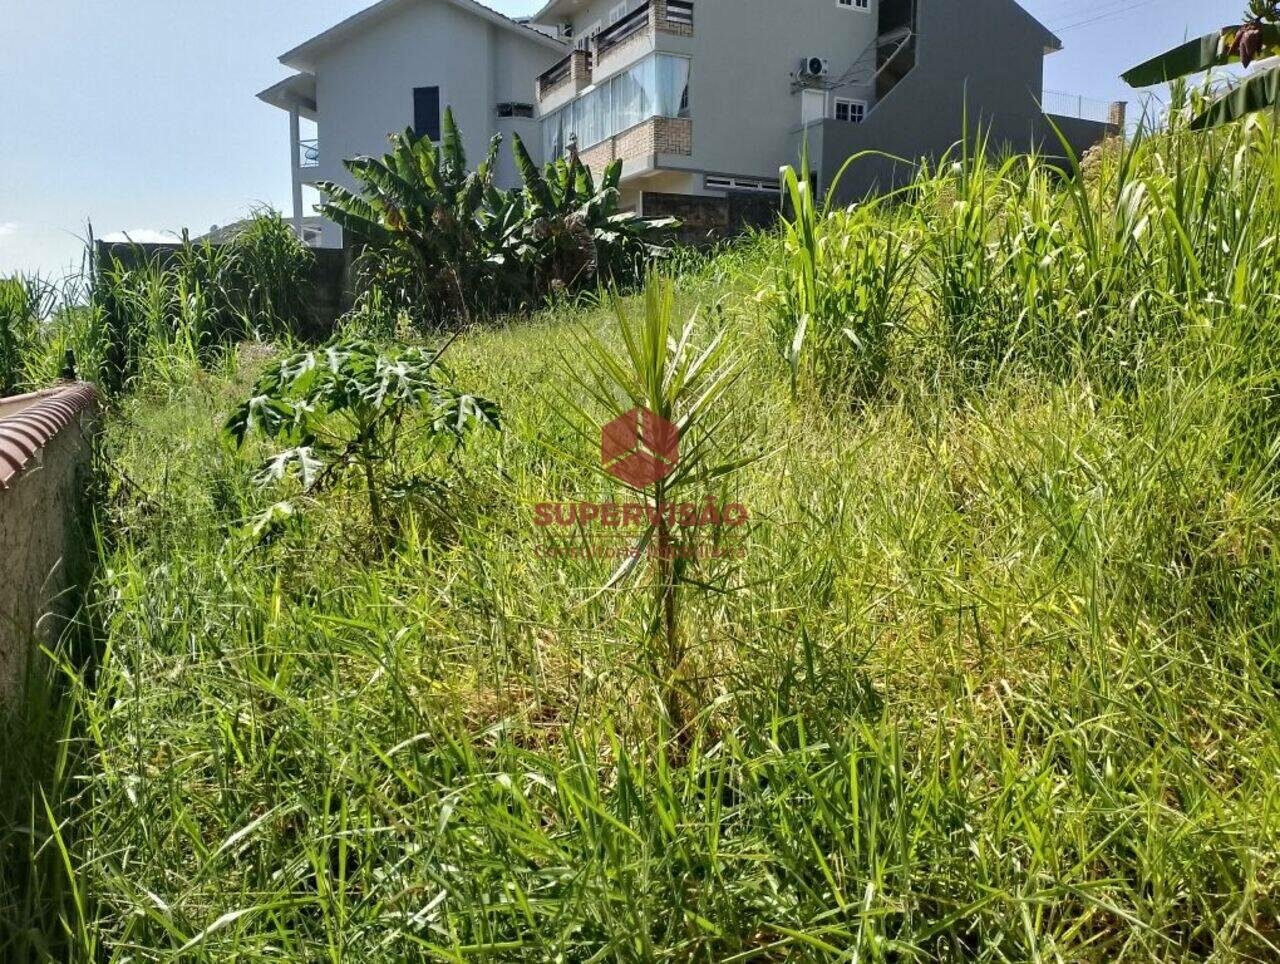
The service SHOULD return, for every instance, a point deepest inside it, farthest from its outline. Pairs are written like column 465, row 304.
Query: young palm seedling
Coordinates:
column 661, row 398
column 341, row 408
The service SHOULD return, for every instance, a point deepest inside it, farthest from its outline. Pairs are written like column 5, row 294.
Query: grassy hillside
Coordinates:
column 995, row 679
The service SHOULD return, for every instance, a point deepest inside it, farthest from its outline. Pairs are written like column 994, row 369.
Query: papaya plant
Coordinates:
column 341, row 408
column 1256, row 38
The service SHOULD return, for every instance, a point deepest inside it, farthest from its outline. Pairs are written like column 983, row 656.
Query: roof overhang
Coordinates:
column 559, row 11
column 303, row 57
column 297, row 91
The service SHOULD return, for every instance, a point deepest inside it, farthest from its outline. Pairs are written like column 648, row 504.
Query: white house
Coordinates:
column 398, row 64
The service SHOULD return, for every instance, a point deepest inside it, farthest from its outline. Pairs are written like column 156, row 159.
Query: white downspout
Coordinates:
column 295, row 144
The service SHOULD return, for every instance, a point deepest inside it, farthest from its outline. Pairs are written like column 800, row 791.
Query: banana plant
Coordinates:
column 1258, row 37
column 571, row 231
column 420, row 204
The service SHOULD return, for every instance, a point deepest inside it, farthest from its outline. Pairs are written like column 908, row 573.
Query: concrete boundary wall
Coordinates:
column 45, row 463
column 329, row 293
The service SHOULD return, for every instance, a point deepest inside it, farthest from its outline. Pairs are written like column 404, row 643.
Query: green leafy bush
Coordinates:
column 341, row 408
column 446, row 243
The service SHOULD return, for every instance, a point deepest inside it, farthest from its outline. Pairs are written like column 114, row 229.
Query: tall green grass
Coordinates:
column 1017, row 266
column 997, row 680
column 162, row 317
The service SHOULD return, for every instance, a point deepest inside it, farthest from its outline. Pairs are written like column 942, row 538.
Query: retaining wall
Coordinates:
column 45, row 465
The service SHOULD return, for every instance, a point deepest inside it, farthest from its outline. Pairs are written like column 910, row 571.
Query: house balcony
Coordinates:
column 643, row 145
column 565, row 81
column 637, row 33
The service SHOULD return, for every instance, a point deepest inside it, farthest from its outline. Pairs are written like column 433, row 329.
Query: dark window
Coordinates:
column 851, row 111
column 426, row 112
column 515, row 110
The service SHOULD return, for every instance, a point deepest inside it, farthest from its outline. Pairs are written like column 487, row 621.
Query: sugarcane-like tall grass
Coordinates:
column 839, row 290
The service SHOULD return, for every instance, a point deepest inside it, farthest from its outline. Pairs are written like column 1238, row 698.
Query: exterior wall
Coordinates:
column 925, row 114
column 744, row 54
column 42, row 546
column 364, row 86
column 517, row 62
column 710, row 219
column 1080, row 134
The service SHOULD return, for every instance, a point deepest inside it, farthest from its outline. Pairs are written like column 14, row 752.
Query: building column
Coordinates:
column 295, row 165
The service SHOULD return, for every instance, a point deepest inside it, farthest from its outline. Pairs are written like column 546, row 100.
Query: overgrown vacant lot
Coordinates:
column 996, row 679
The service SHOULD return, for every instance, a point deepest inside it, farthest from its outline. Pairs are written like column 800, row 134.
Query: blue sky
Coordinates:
column 140, row 114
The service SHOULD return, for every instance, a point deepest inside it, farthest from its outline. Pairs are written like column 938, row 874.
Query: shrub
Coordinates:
column 445, row 243
column 341, row 408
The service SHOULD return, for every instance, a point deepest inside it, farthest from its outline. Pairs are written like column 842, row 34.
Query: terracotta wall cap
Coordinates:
column 47, row 413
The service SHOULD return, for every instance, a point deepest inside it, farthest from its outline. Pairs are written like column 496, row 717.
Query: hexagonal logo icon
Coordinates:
column 640, row 448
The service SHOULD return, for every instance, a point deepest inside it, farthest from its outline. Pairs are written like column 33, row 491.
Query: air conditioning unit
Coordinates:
column 814, row 68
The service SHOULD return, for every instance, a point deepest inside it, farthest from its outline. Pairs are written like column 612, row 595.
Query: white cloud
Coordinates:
column 7, row 229
column 142, row 236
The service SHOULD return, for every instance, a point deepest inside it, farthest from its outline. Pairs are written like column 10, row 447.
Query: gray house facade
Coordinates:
column 972, row 68
column 731, row 90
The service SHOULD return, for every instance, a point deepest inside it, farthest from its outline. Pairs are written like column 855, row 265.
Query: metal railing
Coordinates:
column 308, row 153
column 626, row 28
column 1062, row 104
column 557, row 74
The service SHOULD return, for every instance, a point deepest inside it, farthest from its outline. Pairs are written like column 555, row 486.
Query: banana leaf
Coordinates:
column 1259, row 92
column 1197, row 56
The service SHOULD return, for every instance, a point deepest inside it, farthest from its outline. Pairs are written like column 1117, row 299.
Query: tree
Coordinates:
column 1257, row 37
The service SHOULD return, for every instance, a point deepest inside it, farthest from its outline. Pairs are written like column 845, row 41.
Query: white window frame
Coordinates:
column 617, row 13
column 851, row 102
column 858, row 6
